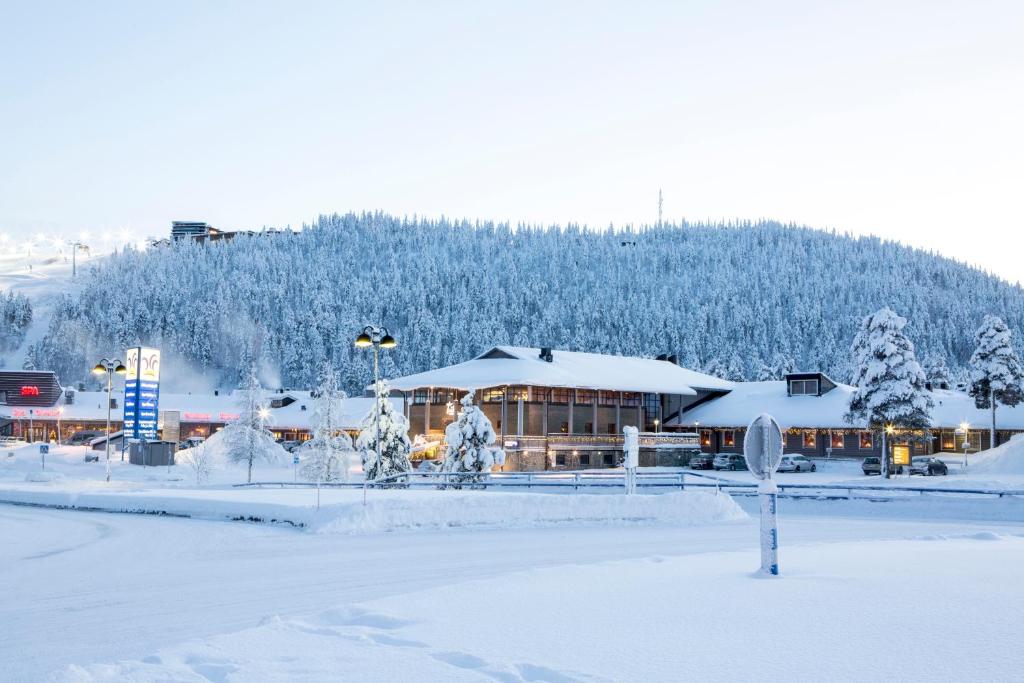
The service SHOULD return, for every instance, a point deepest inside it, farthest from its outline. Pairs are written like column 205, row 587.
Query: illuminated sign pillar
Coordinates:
column 142, row 393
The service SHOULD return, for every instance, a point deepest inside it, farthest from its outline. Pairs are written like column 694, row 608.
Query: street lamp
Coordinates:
column 378, row 338
column 109, row 367
column 887, row 432
column 965, row 429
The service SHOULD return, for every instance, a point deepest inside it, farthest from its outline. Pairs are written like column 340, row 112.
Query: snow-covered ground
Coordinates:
column 434, row 585
column 139, row 598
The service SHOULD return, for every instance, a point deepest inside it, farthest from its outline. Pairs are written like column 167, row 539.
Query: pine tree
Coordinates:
column 890, row 385
column 330, row 446
column 393, row 455
column 246, row 438
column 937, row 372
column 470, row 452
column 996, row 373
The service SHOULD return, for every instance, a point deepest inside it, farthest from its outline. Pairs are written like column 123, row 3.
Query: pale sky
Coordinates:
column 899, row 119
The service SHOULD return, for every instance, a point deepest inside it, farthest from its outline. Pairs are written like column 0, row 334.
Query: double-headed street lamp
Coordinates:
column 378, row 338
column 109, row 367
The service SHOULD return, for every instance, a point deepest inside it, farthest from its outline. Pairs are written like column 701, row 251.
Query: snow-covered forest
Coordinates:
column 736, row 299
column 15, row 317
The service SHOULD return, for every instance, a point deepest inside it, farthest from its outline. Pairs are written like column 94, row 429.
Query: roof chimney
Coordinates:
column 546, row 355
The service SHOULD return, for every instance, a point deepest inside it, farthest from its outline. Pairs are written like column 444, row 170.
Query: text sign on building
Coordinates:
column 142, row 393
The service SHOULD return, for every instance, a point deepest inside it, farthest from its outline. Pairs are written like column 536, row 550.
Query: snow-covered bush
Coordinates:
column 330, row 448
column 470, row 451
column 246, row 439
column 393, row 455
column 199, row 459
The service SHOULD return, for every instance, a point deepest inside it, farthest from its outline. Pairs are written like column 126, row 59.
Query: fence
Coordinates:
column 597, row 480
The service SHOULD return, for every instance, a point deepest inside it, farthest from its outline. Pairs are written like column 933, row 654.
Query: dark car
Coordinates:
column 872, row 466
column 928, row 466
column 730, row 461
column 702, row 461
column 81, row 438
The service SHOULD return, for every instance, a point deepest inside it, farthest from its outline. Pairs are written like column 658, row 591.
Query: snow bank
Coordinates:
column 342, row 511
column 1005, row 459
column 453, row 509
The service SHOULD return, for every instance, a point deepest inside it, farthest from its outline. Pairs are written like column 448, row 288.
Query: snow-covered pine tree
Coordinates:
column 937, row 372
column 890, row 384
column 765, row 373
column 393, row 457
column 330, row 447
column 997, row 376
column 246, row 438
column 734, row 369
column 471, row 451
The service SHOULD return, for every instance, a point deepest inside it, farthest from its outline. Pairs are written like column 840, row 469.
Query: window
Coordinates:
column 585, row 396
column 494, row 395
column 803, row 387
column 588, row 427
column 585, row 459
column 561, row 395
column 539, row 394
column 630, row 398
column 948, row 442
column 419, row 396
column 866, row 440
column 608, row 398
column 564, row 428
column 517, row 393
column 611, row 428
column 810, row 439
column 705, row 437
column 609, row 458
column 728, row 438
column 442, row 396
column 918, row 447
column 837, row 440
column 560, row 460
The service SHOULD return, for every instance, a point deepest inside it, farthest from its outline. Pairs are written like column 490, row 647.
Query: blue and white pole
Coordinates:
column 768, row 493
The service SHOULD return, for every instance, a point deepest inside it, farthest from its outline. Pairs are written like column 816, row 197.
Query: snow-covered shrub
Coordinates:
column 330, row 448
column 470, row 451
column 199, row 459
column 246, row 439
column 393, row 456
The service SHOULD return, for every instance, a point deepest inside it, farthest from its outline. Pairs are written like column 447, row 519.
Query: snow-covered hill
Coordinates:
column 740, row 301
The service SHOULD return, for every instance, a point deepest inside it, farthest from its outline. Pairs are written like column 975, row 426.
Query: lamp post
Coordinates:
column 965, row 429
column 887, row 432
column 109, row 367
column 379, row 338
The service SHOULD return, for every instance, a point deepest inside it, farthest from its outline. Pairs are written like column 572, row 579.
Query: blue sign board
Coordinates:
column 142, row 393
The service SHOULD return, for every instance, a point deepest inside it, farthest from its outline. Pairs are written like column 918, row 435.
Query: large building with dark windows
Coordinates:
column 562, row 409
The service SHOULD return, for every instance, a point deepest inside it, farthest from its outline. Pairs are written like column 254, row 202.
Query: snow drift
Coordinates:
column 1005, row 459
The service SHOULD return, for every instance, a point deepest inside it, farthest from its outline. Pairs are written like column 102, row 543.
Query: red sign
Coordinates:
column 202, row 417
column 30, row 391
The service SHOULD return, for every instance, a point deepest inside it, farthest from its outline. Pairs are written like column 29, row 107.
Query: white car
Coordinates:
column 796, row 463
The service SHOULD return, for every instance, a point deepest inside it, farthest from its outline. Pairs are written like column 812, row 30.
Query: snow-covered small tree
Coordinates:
column 937, row 372
column 890, row 384
column 330, row 447
column 997, row 376
column 199, row 459
column 393, row 455
column 471, row 451
column 246, row 438
column 765, row 373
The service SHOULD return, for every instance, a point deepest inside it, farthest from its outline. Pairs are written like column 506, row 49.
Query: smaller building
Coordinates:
column 811, row 408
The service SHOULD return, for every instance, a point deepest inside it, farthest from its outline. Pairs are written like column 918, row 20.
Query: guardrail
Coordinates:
column 577, row 480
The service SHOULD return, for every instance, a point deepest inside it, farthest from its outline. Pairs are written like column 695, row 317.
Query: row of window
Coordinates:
column 607, row 458
column 540, row 395
column 809, row 439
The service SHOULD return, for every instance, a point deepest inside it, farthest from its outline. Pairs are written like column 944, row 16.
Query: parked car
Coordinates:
column 871, row 465
column 928, row 466
column 796, row 463
column 190, row 442
column 290, row 446
column 82, row 438
column 428, row 466
column 702, row 461
column 730, row 461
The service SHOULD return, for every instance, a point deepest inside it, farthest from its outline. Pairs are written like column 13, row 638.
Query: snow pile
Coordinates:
column 1005, row 459
column 481, row 509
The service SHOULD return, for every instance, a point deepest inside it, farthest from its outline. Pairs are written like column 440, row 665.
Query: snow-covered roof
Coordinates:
column 199, row 408
column 517, row 365
column 747, row 400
